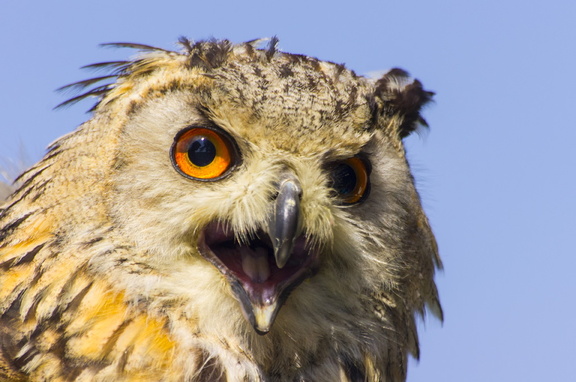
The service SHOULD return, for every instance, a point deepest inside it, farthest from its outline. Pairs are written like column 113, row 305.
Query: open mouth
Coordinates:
column 250, row 266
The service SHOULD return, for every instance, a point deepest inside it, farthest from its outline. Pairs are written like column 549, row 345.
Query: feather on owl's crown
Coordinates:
column 396, row 96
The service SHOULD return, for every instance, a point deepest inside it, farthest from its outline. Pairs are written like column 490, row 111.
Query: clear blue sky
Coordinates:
column 496, row 170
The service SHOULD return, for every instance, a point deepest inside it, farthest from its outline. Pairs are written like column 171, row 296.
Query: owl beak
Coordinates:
column 285, row 222
column 264, row 269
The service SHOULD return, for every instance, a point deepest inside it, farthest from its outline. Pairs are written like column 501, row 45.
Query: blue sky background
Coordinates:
column 495, row 171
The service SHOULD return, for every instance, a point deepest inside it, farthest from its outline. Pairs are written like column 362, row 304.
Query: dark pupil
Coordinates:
column 344, row 179
column 202, row 152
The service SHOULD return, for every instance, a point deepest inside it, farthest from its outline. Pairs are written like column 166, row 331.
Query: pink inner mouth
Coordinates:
column 252, row 263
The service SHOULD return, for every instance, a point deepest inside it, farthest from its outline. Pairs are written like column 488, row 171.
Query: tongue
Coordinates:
column 255, row 263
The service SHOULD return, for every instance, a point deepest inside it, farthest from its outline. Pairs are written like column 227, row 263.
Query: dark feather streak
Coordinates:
column 109, row 345
column 272, row 48
column 106, row 65
column 20, row 361
column 77, row 300
column 92, row 93
column 85, row 83
column 124, row 358
column 28, row 257
column 186, row 43
column 91, row 242
column 38, row 172
column 10, row 227
column 31, row 313
column 131, row 45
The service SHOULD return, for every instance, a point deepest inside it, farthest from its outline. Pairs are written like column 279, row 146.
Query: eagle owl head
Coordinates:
column 257, row 206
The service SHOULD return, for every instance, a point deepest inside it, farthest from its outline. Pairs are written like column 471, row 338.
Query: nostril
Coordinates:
column 274, row 195
column 287, row 182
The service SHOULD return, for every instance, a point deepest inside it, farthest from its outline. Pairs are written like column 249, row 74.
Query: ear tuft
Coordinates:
column 402, row 99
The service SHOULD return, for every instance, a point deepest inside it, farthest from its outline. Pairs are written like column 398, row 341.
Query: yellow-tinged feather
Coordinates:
column 97, row 302
column 92, row 343
column 17, row 251
column 106, row 329
column 151, row 344
column 13, row 278
column 46, row 368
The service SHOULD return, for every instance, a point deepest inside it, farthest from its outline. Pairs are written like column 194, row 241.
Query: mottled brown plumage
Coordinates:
column 303, row 255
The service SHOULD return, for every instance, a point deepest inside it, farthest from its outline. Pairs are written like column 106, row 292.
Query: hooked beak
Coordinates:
column 284, row 226
column 263, row 271
column 284, row 222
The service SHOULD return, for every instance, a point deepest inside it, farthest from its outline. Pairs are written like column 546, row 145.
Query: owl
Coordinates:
column 230, row 212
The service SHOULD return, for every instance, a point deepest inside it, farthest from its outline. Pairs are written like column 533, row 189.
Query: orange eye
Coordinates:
column 203, row 153
column 350, row 180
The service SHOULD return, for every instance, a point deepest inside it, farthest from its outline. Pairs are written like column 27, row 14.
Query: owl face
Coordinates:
column 258, row 176
column 249, row 208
